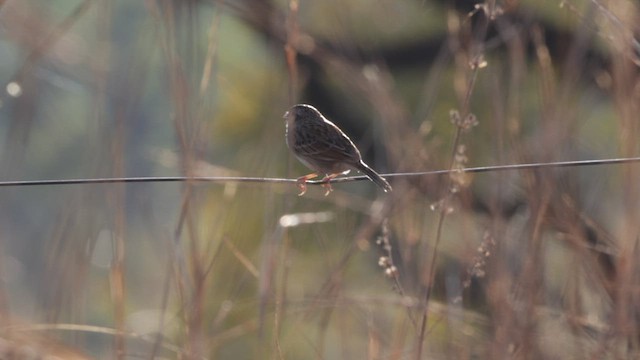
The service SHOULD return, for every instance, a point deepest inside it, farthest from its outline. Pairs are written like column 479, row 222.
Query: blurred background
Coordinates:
column 538, row 263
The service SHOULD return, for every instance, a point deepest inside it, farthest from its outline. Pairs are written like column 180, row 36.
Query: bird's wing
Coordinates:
column 325, row 142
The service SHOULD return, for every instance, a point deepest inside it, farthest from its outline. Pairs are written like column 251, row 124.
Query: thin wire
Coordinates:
column 142, row 180
column 482, row 169
column 241, row 179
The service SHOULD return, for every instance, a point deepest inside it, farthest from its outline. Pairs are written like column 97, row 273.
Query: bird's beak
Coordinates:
column 286, row 115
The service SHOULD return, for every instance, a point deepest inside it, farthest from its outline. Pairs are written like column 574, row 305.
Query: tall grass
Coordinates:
column 531, row 263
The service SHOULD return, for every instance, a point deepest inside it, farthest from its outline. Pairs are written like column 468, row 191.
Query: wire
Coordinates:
column 241, row 179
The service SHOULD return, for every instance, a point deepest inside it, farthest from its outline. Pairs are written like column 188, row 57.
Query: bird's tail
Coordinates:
column 374, row 176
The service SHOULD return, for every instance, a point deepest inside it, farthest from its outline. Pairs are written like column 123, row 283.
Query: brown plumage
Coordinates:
column 324, row 148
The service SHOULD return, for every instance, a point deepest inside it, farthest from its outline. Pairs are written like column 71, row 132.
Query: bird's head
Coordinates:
column 301, row 112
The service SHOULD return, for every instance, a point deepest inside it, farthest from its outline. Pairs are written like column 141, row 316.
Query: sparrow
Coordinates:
column 321, row 146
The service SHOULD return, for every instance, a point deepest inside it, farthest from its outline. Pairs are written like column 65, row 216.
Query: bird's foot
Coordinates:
column 327, row 187
column 302, row 186
column 301, row 182
column 326, row 182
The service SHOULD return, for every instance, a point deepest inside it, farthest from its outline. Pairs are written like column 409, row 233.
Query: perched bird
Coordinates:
column 324, row 148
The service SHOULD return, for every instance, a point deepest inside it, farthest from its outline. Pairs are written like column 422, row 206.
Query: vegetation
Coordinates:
column 529, row 263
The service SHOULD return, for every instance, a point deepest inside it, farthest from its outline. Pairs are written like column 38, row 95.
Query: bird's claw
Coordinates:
column 302, row 185
column 328, row 187
column 326, row 183
column 301, row 182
